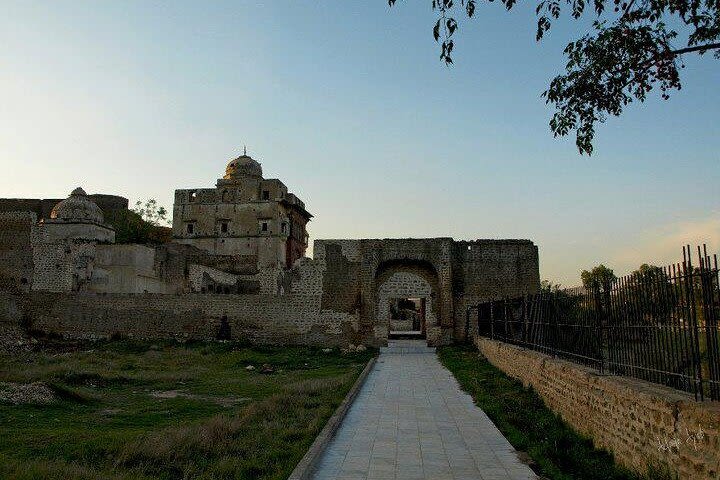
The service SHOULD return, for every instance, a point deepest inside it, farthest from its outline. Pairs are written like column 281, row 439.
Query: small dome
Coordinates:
column 77, row 208
column 243, row 165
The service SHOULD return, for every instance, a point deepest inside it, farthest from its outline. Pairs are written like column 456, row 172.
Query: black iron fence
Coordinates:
column 657, row 324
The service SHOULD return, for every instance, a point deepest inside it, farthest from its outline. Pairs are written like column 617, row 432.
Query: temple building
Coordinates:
column 245, row 215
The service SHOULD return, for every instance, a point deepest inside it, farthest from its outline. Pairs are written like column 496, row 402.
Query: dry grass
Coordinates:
column 110, row 426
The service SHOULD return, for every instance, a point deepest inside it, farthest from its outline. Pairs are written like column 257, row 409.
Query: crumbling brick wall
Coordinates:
column 42, row 207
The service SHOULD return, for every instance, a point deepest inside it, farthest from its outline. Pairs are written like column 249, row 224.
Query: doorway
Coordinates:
column 407, row 317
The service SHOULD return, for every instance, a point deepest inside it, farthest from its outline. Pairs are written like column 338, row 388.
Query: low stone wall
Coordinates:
column 258, row 319
column 641, row 423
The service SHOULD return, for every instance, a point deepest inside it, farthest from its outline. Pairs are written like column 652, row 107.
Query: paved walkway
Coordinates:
column 412, row 421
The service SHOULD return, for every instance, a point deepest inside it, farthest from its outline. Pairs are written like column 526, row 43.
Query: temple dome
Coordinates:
column 243, row 165
column 77, row 208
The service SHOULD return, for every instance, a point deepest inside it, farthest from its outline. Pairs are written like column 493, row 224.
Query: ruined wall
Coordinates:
column 53, row 232
column 42, row 207
column 200, row 276
column 128, row 268
column 306, row 278
column 204, row 279
column 258, row 319
column 341, row 280
column 641, row 423
column 16, row 258
column 63, row 267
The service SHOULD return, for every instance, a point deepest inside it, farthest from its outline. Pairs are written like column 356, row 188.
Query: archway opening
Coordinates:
column 407, row 317
column 406, row 302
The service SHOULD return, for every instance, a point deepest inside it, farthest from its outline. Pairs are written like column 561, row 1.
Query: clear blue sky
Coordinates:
column 347, row 103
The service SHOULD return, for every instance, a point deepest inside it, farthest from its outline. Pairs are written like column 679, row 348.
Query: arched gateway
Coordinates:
column 423, row 285
column 406, row 293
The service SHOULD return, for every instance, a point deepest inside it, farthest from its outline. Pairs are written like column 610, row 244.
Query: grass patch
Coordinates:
column 558, row 452
column 141, row 410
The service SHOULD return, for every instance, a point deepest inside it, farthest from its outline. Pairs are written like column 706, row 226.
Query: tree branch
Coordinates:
column 707, row 46
column 627, row 9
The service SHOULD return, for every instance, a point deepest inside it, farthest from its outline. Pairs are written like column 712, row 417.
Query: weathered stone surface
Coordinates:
column 245, row 214
column 258, row 319
column 363, row 275
column 16, row 258
column 641, row 423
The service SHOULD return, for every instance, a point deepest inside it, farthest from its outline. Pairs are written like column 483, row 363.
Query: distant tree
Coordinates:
column 144, row 224
column 630, row 50
column 652, row 293
column 547, row 286
column 599, row 279
column 151, row 212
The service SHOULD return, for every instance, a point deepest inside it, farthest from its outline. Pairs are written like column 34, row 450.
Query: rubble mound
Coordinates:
column 13, row 340
column 36, row 393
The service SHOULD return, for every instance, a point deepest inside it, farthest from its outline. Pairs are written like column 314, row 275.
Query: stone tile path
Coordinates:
column 412, row 421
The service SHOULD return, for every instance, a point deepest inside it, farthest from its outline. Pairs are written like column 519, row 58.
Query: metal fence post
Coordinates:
column 692, row 310
column 709, row 289
column 601, row 325
column 656, row 324
column 492, row 320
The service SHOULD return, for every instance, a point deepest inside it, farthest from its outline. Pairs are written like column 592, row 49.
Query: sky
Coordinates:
column 348, row 104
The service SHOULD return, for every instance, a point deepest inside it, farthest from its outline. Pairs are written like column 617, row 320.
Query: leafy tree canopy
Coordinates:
column 654, row 295
column 144, row 224
column 151, row 212
column 600, row 278
column 547, row 286
column 629, row 52
column 649, row 273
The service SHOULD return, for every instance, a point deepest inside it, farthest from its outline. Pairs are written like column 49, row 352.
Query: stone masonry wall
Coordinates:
column 641, row 423
column 460, row 274
column 258, row 319
column 63, row 266
column 488, row 270
column 197, row 272
column 42, row 207
column 16, row 257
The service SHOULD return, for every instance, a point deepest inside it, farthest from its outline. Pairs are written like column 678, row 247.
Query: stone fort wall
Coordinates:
column 257, row 319
column 350, row 282
column 642, row 424
column 485, row 270
column 41, row 207
column 460, row 274
column 16, row 256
